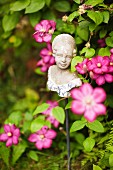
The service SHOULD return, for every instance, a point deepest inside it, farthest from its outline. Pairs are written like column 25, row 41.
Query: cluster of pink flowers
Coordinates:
column 88, row 101
column 46, row 58
column 43, row 138
column 44, row 31
column 11, row 135
column 49, row 115
column 100, row 68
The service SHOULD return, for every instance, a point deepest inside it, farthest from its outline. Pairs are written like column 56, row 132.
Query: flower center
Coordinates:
column 50, row 53
column 51, row 31
column 42, row 30
column 111, row 63
column 99, row 65
column 88, row 100
column 42, row 136
column 9, row 134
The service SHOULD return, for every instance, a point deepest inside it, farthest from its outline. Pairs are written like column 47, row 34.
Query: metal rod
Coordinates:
column 68, row 135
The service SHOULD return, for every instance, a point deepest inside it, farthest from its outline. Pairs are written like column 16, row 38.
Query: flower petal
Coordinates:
column 90, row 115
column 33, row 137
column 77, row 107
column 100, row 80
column 47, row 143
column 76, row 94
column 47, row 38
column 109, row 78
column 7, row 128
column 100, row 109
column 9, row 142
column 50, row 134
column 39, row 144
column 16, row 132
column 3, row 137
column 99, row 95
column 15, row 140
column 86, row 89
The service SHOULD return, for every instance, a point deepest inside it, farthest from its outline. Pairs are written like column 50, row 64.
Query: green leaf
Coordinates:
column 96, row 16
column 95, row 126
column 104, row 51
column 38, row 123
column 77, row 1
column 111, row 34
column 14, row 118
column 34, row 19
column 102, row 33
column 96, row 167
column 109, row 41
column 83, row 33
column 5, row 153
column 41, row 108
column 79, row 40
column 37, row 70
column 19, row 5
column 111, row 160
column 18, row 150
column 93, row 2
column 9, row 21
column 75, row 61
column 88, row 144
column 35, row 6
column 72, row 16
column 59, row 114
column 33, row 155
column 109, row 100
column 89, row 52
column 106, row 16
column 48, row 2
column 63, row 6
column 77, row 125
column 68, row 106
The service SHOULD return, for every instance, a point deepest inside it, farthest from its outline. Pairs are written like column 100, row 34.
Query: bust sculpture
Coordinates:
column 60, row 78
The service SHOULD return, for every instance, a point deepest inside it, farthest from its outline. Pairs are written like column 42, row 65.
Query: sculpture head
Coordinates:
column 63, row 47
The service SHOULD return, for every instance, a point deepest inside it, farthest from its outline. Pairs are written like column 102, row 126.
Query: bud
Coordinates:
column 87, row 45
column 64, row 18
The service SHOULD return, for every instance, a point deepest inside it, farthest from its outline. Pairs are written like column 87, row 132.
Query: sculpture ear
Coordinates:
column 74, row 52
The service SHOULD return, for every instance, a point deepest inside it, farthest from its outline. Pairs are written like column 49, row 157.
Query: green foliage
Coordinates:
column 59, row 114
column 95, row 126
column 93, row 2
column 96, row 167
column 18, row 151
column 32, row 154
column 77, row 125
column 14, row 118
column 41, row 108
column 9, row 21
column 88, row 144
column 19, row 5
column 75, row 60
column 62, row 7
column 35, row 6
column 4, row 153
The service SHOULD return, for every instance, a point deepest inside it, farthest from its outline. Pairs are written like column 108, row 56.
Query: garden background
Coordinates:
column 23, row 89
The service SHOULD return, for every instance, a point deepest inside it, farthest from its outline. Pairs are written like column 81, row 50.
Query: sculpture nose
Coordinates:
column 63, row 58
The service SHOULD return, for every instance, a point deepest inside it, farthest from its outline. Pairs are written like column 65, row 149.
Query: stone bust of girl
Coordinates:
column 60, row 78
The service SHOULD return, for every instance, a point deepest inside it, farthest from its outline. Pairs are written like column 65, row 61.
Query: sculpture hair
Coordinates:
column 64, row 39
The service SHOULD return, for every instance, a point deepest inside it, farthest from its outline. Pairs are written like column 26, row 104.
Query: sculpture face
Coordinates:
column 63, row 56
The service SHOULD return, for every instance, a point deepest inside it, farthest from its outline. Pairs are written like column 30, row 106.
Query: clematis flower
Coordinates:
column 88, row 101
column 43, row 138
column 11, row 135
column 98, row 64
column 82, row 67
column 47, row 59
column 44, row 31
column 49, row 115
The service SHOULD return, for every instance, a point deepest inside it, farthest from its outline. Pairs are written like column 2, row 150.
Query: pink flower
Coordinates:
column 11, row 135
column 43, row 138
column 48, row 112
column 88, row 101
column 44, row 31
column 98, row 64
column 47, row 58
column 102, row 78
column 82, row 67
